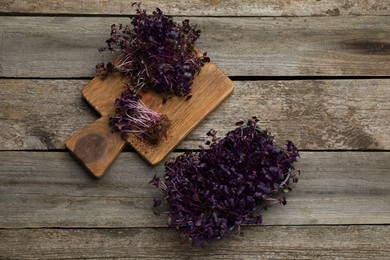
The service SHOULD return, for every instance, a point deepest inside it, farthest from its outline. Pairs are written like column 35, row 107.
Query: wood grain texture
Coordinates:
column 297, row 46
column 203, row 8
column 321, row 242
column 96, row 146
column 101, row 94
column 315, row 114
column 50, row 189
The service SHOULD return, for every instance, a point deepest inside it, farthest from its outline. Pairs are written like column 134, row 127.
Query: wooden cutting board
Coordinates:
column 96, row 146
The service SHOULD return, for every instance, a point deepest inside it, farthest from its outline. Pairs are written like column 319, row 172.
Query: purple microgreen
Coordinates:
column 156, row 203
column 155, row 53
column 164, row 100
column 214, row 191
column 133, row 117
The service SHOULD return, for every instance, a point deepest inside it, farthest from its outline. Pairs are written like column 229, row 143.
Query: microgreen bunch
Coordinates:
column 133, row 117
column 216, row 190
column 155, row 53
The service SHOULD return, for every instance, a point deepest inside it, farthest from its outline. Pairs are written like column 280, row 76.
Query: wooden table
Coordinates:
column 316, row 72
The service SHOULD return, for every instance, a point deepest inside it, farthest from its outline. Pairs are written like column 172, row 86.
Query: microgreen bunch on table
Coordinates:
column 218, row 189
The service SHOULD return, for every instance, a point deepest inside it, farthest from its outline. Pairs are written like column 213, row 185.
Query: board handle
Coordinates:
column 96, row 146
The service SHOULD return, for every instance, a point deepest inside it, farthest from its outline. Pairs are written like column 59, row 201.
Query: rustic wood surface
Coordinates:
column 334, row 188
column 263, row 46
column 316, row 114
column 202, row 7
column 316, row 72
column 265, row 242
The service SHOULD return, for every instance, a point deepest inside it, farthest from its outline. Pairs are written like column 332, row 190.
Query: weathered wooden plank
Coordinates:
column 50, row 189
column 315, row 114
column 298, row 46
column 306, row 242
column 203, row 8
